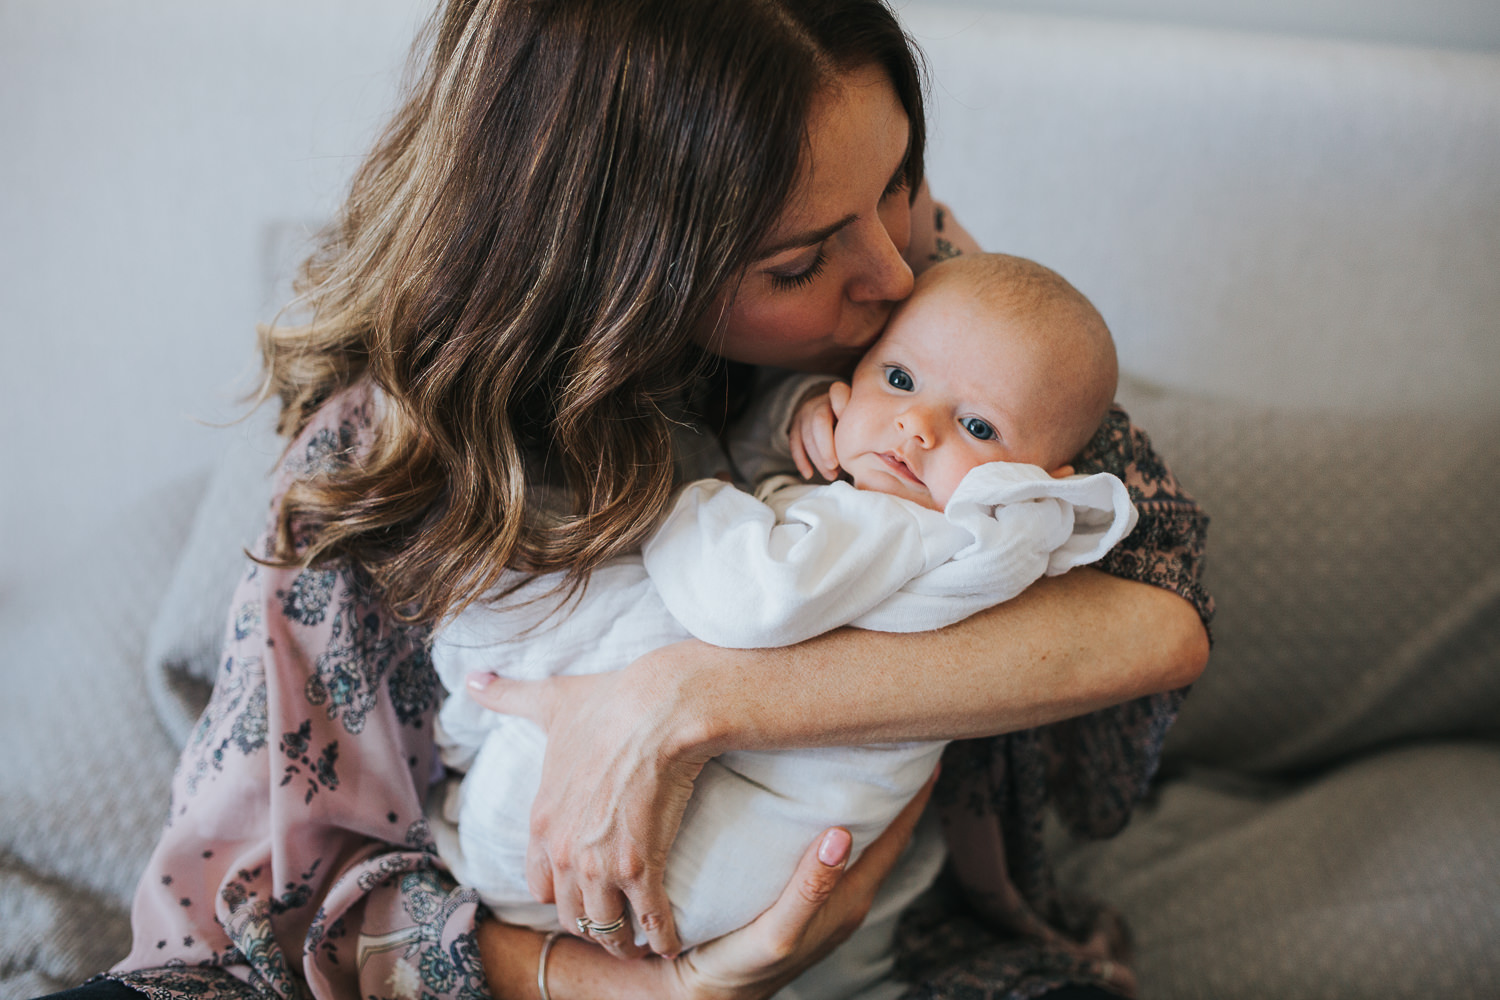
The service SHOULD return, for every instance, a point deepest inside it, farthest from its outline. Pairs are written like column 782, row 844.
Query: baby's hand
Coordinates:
column 812, row 436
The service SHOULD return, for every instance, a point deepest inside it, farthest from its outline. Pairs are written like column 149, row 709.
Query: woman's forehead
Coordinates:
column 857, row 141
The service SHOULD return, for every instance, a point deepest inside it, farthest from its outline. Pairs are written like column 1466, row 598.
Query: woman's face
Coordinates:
column 827, row 278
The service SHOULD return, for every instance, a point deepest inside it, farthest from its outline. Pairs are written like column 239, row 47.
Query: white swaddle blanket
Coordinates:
column 735, row 570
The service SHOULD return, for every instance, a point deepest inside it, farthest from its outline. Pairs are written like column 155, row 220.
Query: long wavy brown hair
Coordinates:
column 521, row 263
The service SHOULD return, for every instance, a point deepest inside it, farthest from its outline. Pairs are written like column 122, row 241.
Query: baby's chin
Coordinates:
column 893, row 488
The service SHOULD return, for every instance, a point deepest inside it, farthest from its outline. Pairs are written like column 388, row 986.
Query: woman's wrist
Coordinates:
column 675, row 690
column 754, row 699
column 575, row 969
column 509, row 955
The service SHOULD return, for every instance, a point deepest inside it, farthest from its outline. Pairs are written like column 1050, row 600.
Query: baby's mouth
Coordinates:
column 898, row 465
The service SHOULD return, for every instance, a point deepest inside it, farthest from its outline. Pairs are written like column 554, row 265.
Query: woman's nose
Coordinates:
column 885, row 276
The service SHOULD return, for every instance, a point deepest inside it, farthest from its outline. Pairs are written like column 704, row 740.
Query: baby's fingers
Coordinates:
column 799, row 457
column 824, row 455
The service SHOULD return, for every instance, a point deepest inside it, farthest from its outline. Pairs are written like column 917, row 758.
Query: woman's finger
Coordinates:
column 607, row 909
column 528, row 699
column 818, row 873
column 570, row 907
column 653, row 911
column 539, row 874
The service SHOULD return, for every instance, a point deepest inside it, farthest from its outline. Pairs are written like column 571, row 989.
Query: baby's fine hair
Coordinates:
column 1039, row 296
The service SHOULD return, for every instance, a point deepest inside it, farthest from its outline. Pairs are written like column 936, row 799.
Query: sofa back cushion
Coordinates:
column 1356, row 565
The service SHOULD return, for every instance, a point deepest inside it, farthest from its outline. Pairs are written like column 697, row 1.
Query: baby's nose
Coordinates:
column 917, row 423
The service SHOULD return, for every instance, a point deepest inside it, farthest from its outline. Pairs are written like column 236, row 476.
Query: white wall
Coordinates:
column 1463, row 24
column 158, row 158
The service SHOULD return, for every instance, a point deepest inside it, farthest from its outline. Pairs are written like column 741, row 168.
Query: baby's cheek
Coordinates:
column 944, row 485
column 843, row 440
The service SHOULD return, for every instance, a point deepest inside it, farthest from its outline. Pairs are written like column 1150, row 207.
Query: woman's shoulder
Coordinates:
column 339, row 430
column 1166, row 549
column 1124, row 449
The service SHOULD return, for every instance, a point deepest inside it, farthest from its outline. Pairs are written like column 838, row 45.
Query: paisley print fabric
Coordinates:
column 296, row 860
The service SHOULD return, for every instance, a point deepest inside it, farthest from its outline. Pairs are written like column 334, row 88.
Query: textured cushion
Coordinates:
column 1376, row 879
column 87, row 766
column 187, row 633
column 1356, row 565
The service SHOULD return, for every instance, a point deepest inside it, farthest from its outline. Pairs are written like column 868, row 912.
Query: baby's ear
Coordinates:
column 838, row 398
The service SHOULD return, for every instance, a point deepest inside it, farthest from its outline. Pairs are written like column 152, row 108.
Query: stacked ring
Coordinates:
column 587, row 926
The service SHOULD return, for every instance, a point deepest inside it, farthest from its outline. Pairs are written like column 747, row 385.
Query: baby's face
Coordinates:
column 946, row 388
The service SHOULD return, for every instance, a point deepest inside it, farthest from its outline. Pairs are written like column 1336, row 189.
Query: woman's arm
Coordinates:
column 1066, row 646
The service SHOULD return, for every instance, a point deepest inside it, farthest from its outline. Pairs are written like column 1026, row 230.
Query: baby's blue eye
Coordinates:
column 898, row 379
column 978, row 428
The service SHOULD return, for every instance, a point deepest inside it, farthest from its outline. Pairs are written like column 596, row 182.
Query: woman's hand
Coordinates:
column 616, row 778
column 820, row 907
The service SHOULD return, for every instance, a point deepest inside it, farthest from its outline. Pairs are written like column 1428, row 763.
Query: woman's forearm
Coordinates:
column 1067, row 646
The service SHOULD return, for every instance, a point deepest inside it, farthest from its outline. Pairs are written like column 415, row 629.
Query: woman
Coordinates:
column 582, row 210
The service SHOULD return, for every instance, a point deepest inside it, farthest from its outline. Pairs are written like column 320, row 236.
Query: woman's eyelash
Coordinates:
column 786, row 282
column 897, row 183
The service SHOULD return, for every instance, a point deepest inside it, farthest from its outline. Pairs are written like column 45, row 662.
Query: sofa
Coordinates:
column 1297, row 245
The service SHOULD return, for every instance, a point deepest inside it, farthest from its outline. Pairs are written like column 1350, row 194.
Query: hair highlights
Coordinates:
column 520, row 263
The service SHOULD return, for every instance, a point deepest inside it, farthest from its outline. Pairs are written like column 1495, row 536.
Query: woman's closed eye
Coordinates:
column 978, row 428
column 898, row 378
column 799, row 274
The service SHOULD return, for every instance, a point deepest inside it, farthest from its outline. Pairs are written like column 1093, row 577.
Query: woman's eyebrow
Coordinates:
column 807, row 239
column 816, row 236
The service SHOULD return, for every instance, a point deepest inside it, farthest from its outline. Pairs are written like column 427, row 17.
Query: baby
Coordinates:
column 955, row 435
column 991, row 359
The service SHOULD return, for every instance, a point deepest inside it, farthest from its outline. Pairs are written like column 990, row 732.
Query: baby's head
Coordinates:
column 992, row 359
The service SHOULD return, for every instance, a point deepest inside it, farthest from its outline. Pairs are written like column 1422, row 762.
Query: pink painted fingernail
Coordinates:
column 834, row 850
column 479, row 680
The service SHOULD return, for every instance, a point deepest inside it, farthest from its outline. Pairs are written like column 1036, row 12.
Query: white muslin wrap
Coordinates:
column 743, row 571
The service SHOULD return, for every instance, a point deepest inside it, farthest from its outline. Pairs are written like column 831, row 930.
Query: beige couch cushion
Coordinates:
column 87, row 766
column 1374, row 880
column 1356, row 565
